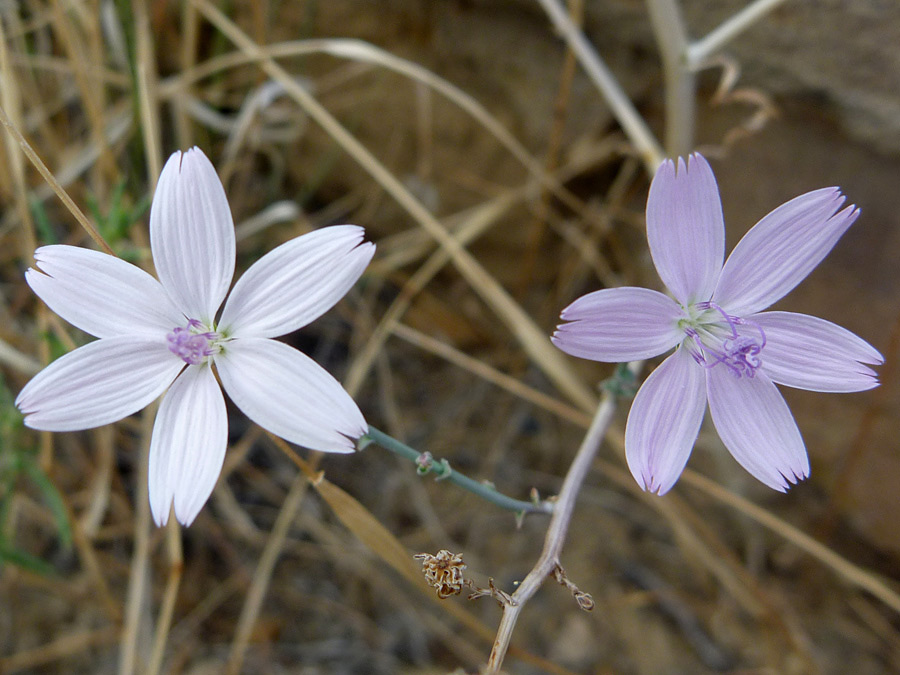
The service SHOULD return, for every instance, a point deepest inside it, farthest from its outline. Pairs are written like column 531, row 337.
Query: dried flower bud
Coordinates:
column 584, row 600
column 443, row 571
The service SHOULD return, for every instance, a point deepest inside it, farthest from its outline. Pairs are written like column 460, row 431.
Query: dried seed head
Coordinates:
column 443, row 571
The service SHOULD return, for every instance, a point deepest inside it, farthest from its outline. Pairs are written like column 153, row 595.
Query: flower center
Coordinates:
column 719, row 337
column 191, row 343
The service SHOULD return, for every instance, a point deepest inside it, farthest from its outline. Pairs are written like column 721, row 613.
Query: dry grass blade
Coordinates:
column 532, row 339
column 64, row 197
column 360, row 521
column 445, row 129
column 365, row 52
column 135, row 607
column 263, row 574
column 483, row 370
column 852, row 573
column 58, row 649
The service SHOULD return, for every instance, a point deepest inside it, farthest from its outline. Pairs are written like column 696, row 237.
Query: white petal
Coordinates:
column 101, row 294
column 757, row 427
column 192, row 235
column 807, row 352
column 619, row 324
column 664, row 421
column 685, row 228
column 187, row 450
column 289, row 394
column 98, row 384
column 296, row 282
column 781, row 250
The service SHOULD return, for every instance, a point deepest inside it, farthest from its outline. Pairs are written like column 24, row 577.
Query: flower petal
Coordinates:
column 101, row 294
column 685, row 228
column 192, row 235
column 296, row 282
column 289, row 394
column 98, row 384
column 619, row 324
column 757, row 427
column 664, row 421
column 187, row 449
column 781, row 250
column 807, row 352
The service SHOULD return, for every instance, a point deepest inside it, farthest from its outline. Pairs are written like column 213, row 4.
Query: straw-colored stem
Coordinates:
column 164, row 622
column 632, row 123
column 145, row 71
column 680, row 93
column 137, row 581
column 556, row 531
column 262, row 576
column 702, row 49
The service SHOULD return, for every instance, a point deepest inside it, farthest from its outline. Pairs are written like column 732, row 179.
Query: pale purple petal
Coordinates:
column 664, row 421
column 807, row 352
column 757, row 427
column 781, row 250
column 289, row 394
column 192, row 235
column 99, row 383
column 296, row 282
column 619, row 324
column 187, row 449
column 685, row 228
column 101, row 294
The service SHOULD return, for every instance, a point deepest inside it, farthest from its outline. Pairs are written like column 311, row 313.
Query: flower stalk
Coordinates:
column 442, row 470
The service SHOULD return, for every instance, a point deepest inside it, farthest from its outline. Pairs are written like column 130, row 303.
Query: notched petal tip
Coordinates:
column 807, row 352
column 685, row 228
column 664, row 421
column 297, row 282
column 650, row 483
column 756, row 425
column 192, row 234
column 779, row 251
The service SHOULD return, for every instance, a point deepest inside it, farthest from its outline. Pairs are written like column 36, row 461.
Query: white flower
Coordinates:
column 163, row 336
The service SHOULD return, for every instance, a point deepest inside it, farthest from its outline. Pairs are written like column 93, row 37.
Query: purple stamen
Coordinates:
column 190, row 347
column 739, row 353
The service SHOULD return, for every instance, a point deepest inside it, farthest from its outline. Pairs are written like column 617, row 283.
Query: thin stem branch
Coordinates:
column 632, row 123
column 556, row 532
column 681, row 87
column 702, row 49
column 441, row 468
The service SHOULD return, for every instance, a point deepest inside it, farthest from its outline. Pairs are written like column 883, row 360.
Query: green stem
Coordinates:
column 425, row 463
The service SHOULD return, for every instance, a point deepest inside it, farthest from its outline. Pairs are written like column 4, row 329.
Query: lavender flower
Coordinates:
column 163, row 336
column 727, row 351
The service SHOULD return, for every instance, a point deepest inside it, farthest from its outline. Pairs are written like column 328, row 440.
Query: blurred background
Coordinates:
column 465, row 103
